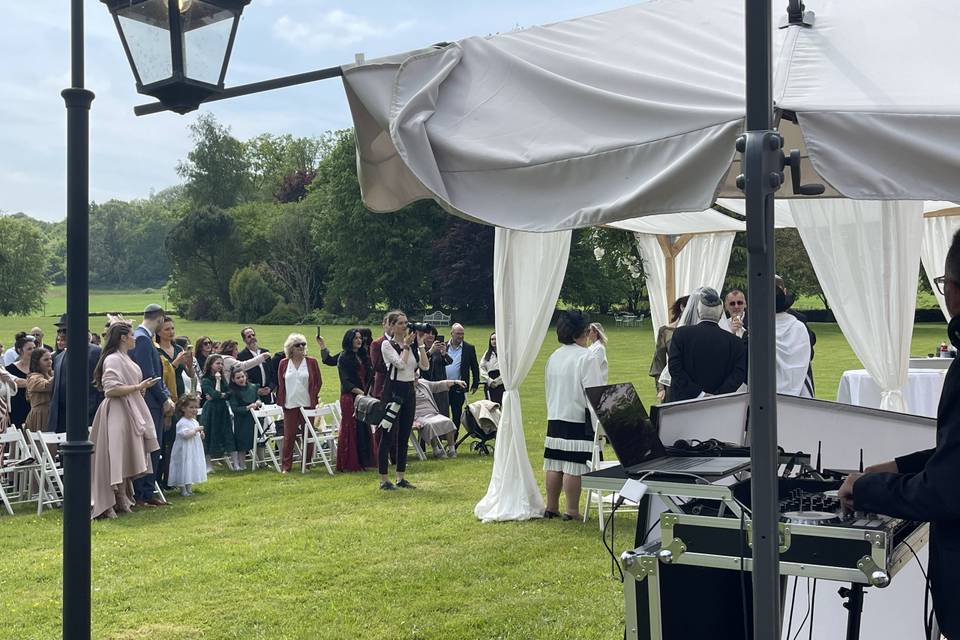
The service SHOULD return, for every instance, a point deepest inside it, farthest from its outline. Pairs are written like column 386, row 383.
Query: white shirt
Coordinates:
column 405, row 367
column 726, row 326
column 297, row 382
column 599, row 353
column 793, row 355
column 569, row 371
column 9, row 356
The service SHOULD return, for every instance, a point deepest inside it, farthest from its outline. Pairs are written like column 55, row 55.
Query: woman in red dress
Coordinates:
column 355, row 449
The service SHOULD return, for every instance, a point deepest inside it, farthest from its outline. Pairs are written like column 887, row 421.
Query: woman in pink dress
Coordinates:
column 356, row 449
column 123, row 433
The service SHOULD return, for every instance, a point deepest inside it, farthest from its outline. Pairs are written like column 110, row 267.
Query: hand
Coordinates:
column 202, row 437
column 146, row 384
column 321, row 343
column 168, row 407
column 180, row 359
column 736, row 323
column 661, row 394
column 408, row 339
column 208, row 396
column 459, row 383
column 883, row 467
column 846, row 491
column 435, row 347
column 263, row 391
column 218, row 375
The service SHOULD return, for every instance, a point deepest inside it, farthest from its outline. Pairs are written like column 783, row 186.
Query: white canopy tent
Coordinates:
column 680, row 252
column 635, row 111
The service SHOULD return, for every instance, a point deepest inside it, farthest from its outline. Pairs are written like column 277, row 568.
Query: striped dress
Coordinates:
column 569, row 441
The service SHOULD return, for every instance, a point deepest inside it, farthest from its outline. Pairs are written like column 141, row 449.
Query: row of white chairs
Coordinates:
column 29, row 469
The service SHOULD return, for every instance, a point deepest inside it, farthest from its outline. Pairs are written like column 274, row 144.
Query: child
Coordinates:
column 216, row 414
column 243, row 399
column 187, row 466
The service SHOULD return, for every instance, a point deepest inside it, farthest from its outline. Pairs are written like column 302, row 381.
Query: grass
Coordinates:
column 257, row 555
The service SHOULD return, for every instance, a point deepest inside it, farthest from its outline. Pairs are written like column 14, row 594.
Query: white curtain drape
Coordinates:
column 701, row 263
column 866, row 255
column 528, row 270
column 937, row 234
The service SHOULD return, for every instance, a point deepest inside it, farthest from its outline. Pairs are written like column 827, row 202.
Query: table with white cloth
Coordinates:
column 922, row 392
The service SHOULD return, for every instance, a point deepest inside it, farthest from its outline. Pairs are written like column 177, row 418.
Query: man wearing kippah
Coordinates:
column 705, row 359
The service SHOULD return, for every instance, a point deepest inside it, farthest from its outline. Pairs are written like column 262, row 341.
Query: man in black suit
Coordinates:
column 463, row 366
column 703, row 357
column 923, row 485
column 57, row 419
column 264, row 375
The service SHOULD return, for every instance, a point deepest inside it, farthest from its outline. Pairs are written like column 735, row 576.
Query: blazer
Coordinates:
column 470, row 366
column 349, row 370
column 705, row 359
column 379, row 367
column 57, row 420
column 265, row 377
column 146, row 355
column 313, row 387
column 925, row 489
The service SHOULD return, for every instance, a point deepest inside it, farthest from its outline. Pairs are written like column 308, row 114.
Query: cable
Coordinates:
column 806, row 615
column 743, row 586
column 927, row 614
column 793, row 600
column 603, row 537
column 813, row 604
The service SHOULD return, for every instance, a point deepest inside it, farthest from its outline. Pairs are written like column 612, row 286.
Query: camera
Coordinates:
column 424, row 327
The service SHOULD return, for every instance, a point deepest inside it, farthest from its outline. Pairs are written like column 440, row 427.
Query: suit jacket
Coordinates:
column 925, row 489
column 470, row 366
column 57, row 420
column 313, row 385
column 705, row 358
column 263, row 376
column 379, row 367
column 146, row 355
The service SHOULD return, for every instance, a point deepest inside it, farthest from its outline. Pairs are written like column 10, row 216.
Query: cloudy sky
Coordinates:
column 131, row 156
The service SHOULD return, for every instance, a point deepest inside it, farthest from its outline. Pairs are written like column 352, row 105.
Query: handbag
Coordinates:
column 367, row 409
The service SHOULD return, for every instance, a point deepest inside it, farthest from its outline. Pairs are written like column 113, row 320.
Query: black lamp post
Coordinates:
column 178, row 49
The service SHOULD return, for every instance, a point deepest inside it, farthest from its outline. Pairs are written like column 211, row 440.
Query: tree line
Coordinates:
column 273, row 229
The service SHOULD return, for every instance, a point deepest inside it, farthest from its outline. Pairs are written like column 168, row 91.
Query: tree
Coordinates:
column 250, row 295
column 604, row 269
column 217, row 169
column 793, row 265
column 22, row 267
column 372, row 257
column 203, row 249
column 296, row 263
column 463, row 269
column 274, row 159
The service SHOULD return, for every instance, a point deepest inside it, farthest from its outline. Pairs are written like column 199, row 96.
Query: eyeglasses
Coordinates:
column 737, row 303
column 939, row 283
column 299, row 345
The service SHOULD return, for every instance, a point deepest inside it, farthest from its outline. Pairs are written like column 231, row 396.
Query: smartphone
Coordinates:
column 441, row 339
column 318, row 331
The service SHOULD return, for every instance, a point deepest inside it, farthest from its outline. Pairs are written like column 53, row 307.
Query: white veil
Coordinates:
column 689, row 317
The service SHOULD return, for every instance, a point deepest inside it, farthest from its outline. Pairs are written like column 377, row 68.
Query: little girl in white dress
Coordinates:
column 187, row 464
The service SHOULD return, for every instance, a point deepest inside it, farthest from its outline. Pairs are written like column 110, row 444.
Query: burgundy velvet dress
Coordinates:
column 356, row 450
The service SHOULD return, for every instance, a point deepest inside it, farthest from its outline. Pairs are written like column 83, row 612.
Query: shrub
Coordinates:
column 204, row 309
column 250, row 295
column 282, row 313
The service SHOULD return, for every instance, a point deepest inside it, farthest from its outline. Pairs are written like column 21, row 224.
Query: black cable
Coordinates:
column 743, row 586
column 650, row 530
column 927, row 614
column 813, row 604
column 603, row 537
column 806, row 615
column 793, row 600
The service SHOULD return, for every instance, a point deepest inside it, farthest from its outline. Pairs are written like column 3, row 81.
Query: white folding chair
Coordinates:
column 266, row 435
column 595, row 496
column 50, row 472
column 18, row 469
column 321, row 434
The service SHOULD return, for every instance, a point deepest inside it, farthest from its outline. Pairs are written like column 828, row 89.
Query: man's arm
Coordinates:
column 474, row 369
column 142, row 354
column 678, row 375
column 738, row 375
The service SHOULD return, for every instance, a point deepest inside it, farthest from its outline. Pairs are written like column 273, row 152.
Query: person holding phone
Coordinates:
column 403, row 355
column 735, row 305
column 123, row 432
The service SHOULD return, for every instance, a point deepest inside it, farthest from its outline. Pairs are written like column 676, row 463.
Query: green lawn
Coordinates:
column 260, row 556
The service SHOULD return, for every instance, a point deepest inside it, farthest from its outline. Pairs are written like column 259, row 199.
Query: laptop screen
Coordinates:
column 625, row 421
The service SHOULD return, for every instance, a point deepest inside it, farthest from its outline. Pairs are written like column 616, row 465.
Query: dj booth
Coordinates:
column 688, row 575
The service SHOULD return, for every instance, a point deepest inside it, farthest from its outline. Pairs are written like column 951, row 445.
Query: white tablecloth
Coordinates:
column 922, row 392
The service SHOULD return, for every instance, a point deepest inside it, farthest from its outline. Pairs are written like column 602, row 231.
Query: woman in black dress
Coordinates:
column 20, row 369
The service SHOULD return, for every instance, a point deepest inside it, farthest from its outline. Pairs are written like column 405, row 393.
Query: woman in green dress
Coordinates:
column 216, row 415
column 243, row 399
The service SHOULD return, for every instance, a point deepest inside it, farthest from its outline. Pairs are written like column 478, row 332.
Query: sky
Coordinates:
column 130, row 156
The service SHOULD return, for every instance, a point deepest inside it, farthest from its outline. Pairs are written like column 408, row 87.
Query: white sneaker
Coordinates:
column 451, row 452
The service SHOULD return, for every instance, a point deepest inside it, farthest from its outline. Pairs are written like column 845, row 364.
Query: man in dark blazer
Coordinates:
column 923, row 485
column 264, row 375
column 146, row 355
column 705, row 358
column 57, row 419
column 463, row 366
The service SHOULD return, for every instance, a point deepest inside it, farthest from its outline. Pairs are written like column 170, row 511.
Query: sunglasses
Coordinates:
column 737, row 303
column 299, row 344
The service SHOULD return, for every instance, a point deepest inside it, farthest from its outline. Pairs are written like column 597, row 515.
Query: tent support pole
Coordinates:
column 670, row 248
column 761, row 152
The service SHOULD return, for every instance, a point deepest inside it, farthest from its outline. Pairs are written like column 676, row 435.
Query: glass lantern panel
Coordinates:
column 147, row 34
column 206, row 36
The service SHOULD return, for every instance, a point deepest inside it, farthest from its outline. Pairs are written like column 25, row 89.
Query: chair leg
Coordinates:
column 586, row 508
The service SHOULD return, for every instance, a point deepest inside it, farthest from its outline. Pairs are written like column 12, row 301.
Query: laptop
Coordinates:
column 637, row 443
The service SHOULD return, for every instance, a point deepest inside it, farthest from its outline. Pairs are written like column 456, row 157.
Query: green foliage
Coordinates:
column 204, row 252
column 282, row 313
column 250, row 295
column 604, row 270
column 295, row 261
column 793, row 265
column 127, row 243
column 463, row 269
column 22, row 267
column 372, row 257
column 217, row 169
column 274, row 159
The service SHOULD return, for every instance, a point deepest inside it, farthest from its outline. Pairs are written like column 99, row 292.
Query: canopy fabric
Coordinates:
column 938, row 232
column 866, row 255
column 702, row 262
column 635, row 111
column 528, row 271
column 684, row 223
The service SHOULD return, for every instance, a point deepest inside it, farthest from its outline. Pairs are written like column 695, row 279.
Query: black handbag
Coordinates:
column 367, row 409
